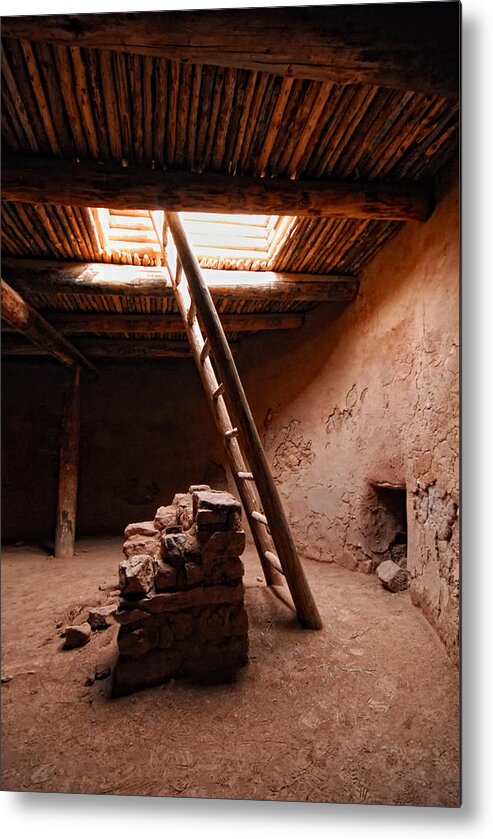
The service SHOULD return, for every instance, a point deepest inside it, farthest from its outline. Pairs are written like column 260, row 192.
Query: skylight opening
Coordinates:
column 127, row 236
column 220, row 241
column 235, row 242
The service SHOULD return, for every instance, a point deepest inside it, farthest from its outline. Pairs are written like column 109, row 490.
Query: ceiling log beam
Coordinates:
column 397, row 45
column 128, row 281
column 20, row 315
column 125, row 349
column 78, row 323
column 53, row 181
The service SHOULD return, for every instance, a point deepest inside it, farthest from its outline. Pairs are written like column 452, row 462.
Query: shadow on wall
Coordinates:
column 301, row 354
column 32, row 408
column 159, row 440
column 146, row 432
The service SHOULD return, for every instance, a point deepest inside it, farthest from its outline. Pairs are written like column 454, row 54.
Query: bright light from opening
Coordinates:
column 239, row 242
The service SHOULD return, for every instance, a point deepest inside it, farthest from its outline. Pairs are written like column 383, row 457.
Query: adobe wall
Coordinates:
column 146, row 432
column 370, row 394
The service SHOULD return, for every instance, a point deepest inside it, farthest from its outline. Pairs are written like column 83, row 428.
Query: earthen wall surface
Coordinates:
column 369, row 395
column 146, row 430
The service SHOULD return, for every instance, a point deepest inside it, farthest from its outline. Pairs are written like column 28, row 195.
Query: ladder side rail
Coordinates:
column 233, row 452
column 281, row 534
column 223, row 423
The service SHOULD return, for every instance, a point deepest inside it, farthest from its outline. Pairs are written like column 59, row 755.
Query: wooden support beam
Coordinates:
column 88, row 184
column 20, row 315
column 69, row 469
column 100, row 348
column 271, row 285
column 51, row 277
column 79, row 323
column 401, row 45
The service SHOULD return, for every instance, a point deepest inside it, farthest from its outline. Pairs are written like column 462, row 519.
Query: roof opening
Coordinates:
column 236, row 242
column 227, row 242
column 127, row 236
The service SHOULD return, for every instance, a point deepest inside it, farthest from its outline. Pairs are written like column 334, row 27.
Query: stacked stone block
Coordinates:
column 181, row 611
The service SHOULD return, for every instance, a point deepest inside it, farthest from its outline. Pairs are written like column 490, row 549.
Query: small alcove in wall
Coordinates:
column 392, row 503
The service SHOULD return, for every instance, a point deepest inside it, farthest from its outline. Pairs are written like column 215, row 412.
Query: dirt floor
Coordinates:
column 364, row 711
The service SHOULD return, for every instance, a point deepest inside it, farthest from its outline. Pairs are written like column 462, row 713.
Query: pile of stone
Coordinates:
column 96, row 619
column 181, row 611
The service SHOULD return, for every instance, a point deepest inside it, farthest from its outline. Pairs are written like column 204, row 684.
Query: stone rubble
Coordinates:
column 141, row 528
column 101, row 617
column 102, row 672
column 136, row 572
column 77, row 636
column 392, row 576
column 181, row 612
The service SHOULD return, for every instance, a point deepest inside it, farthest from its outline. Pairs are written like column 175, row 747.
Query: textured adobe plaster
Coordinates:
column 291, row 452
column 367, row 394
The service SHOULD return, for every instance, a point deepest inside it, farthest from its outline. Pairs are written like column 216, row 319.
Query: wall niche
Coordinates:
column 391, row 520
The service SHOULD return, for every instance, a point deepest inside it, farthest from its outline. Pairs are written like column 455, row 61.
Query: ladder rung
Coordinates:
column 246, row 476
column 192, row 312
column 259, row 517
column 218, row 391
column 179, row 271
column 204, row 352
column 274, row 561
column 233, row 432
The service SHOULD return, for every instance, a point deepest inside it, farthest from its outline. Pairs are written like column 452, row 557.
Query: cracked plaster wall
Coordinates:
column 369, row 393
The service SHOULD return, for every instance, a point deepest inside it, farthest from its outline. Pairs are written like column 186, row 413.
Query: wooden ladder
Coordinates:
column 256, row 487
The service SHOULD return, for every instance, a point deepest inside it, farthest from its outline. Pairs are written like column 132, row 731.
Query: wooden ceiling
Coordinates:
column 72, row 105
